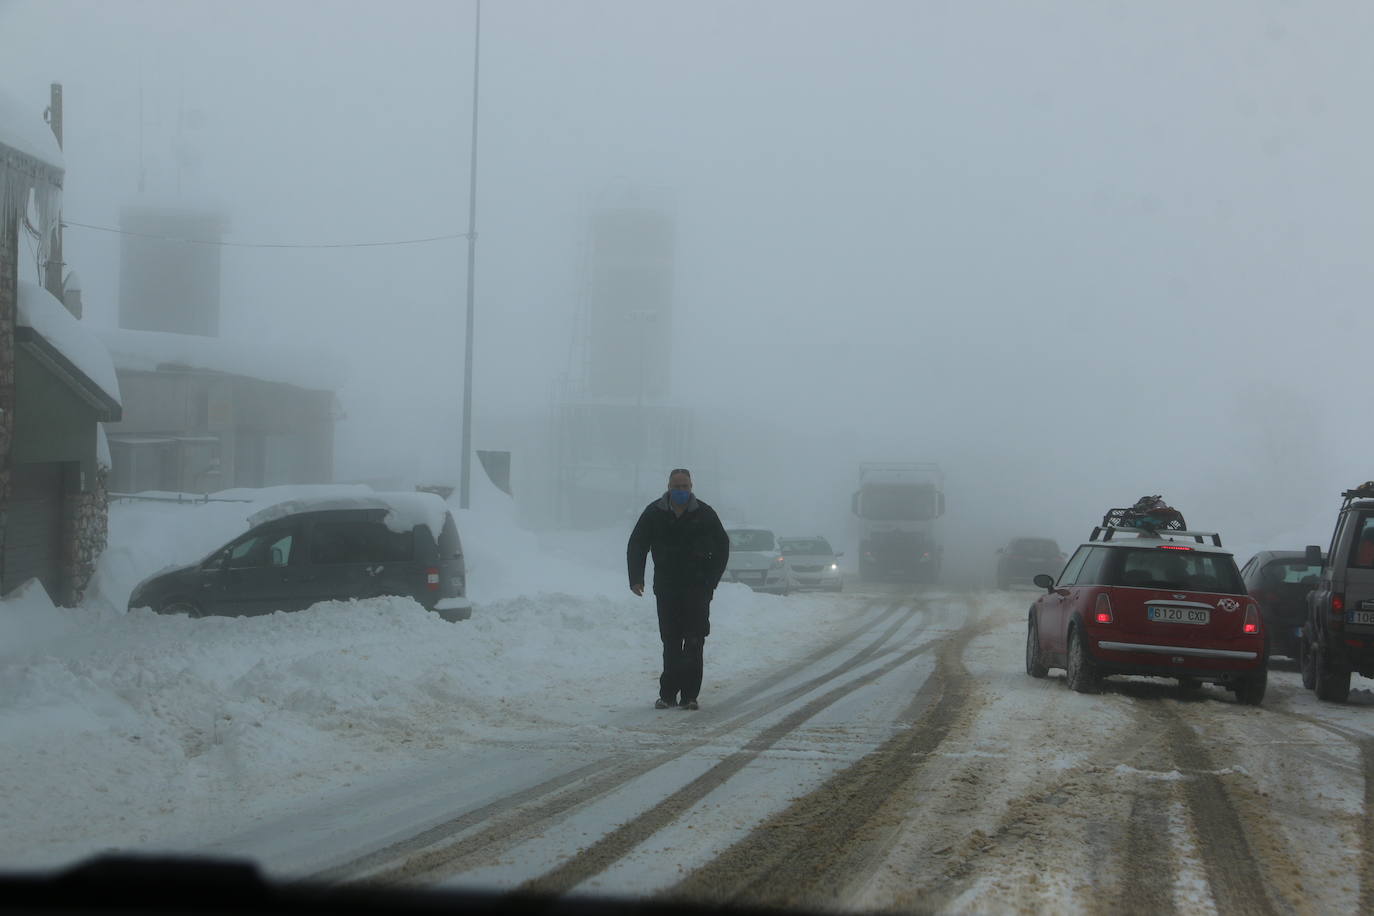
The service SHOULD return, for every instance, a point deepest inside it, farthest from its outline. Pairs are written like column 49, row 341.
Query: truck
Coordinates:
column 898, row 505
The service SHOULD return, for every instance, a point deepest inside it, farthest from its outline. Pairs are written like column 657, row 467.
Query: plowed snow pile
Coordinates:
column 118, row 729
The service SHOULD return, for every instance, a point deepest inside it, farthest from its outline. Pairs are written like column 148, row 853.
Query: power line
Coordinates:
column 223, row 244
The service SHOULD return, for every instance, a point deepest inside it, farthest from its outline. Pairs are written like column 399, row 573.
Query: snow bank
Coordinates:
column 135, row 729
column 126, row 730
column 40, row 310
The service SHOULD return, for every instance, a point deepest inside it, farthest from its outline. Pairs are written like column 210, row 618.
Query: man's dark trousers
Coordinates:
column 684, row 622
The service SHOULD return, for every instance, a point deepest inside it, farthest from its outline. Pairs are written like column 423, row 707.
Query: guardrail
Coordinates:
column 185, row 499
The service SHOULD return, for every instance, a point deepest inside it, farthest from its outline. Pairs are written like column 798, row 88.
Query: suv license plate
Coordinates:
column 1361, row 617
column 1197, row 616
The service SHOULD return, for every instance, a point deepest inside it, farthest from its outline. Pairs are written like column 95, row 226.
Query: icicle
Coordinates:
column 24, row 180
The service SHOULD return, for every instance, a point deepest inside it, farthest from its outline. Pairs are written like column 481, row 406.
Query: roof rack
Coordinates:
column 1363, row 491
column 1105, row 533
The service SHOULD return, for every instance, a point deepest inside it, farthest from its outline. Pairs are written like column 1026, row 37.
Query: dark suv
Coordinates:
column 1280, row 580
column 305, row 551
column 1339, row 636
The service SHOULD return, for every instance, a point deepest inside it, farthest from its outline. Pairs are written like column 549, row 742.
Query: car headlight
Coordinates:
column 834, row 566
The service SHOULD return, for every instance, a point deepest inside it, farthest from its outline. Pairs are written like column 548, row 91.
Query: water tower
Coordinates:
column 169, row 272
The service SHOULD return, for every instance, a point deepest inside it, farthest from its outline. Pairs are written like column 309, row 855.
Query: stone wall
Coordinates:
column 87, row 524
column 9, row 293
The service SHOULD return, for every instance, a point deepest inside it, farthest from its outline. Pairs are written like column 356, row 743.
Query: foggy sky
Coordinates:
column 1077, row 252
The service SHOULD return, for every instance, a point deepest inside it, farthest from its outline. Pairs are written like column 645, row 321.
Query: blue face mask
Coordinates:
column 680, row 497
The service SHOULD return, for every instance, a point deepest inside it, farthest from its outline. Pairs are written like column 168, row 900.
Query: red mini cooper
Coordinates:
column 1166, row 604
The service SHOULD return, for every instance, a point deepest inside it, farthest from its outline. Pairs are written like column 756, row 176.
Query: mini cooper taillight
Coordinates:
column 1338, row 605
column 432, row 578
column 1103, row 611
column 1251, row 626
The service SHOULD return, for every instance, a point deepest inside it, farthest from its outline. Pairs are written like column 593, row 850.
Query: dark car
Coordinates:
column 1025, row 558
column 304, row 551
column 1166, row 604
column 1280, row 580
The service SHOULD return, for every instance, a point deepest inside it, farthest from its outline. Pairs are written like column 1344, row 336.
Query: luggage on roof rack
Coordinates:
column 1150, row 513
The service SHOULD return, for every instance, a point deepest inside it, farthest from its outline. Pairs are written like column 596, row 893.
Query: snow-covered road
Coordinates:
column 905, row 763
column 880, row 749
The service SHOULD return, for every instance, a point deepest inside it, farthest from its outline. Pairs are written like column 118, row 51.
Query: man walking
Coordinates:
column 690, row 550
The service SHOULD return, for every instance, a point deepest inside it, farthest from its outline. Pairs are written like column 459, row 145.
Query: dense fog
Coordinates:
column 1075, row 252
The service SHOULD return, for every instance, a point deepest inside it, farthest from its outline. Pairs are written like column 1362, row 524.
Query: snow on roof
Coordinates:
column 23, row 130
column 404, row 510
column 40, row 310
column 149, row 351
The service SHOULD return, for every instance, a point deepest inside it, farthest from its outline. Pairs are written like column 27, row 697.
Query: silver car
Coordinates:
column 755, row 561
column 814, row 563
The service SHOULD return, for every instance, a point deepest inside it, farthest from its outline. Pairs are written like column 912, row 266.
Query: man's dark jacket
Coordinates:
column 690, row 550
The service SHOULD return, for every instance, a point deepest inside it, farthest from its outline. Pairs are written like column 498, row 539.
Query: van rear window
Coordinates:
column 360, row 542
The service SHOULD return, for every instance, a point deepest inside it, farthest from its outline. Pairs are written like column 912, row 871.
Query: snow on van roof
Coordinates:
column 404, row 510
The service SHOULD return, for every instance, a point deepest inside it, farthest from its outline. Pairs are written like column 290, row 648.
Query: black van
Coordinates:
column 305, row 551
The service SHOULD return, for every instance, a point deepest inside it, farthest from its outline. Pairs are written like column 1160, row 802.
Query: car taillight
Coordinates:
column 1103, row 612
column 1338, row 604
column 1252, row 619
column 432, row 578
column 777, row 560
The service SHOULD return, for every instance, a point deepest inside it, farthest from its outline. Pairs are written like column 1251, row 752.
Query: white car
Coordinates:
column 755, row 561
column 814, row 563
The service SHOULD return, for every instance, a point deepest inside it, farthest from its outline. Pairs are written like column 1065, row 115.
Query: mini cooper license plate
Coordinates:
column 1360, row 617
column 1193, row 615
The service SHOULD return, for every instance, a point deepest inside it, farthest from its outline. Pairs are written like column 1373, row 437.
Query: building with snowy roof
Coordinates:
column 57, row 385
column 204, row 413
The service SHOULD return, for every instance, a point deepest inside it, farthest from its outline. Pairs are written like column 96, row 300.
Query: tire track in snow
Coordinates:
column 445, row 848
column 824, row 842
column 949, row 857
column 624, row 839
column 1226, row 850
column 1364, row 743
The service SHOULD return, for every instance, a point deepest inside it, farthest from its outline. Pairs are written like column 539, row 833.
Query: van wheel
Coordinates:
column 181, row 606
column 1083, row 676
column 1333, row 680
column 1250, row 689
column 1034, row 666
column 1307, row 661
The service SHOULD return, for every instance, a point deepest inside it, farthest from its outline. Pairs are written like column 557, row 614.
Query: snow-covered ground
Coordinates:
column 125, row 729
column 883, row 748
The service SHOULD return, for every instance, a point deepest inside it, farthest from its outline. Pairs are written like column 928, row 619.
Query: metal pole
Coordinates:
column 52, row 269
column 465, row 489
